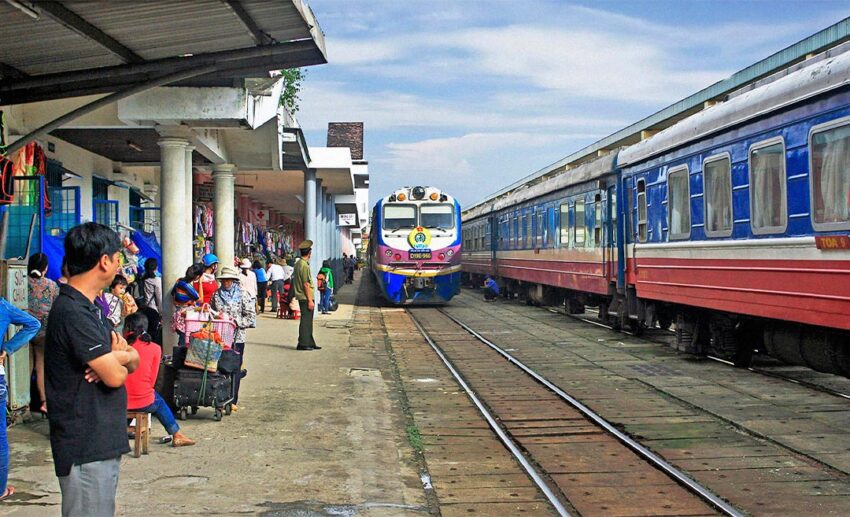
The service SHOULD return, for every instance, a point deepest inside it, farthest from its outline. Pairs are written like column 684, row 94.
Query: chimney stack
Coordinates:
column 347, row 134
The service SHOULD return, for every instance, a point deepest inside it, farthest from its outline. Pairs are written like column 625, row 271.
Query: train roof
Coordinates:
column 797, row 86
column 585, row 172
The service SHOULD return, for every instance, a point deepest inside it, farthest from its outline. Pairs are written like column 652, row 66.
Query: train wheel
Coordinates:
column 725, row 343
column 688, row 335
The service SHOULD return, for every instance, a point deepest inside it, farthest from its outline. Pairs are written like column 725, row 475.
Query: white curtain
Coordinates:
column 834, row 181
column 718, row 201
column 767, row 174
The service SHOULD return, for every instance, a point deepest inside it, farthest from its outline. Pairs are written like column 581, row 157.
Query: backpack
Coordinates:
column 323, row 281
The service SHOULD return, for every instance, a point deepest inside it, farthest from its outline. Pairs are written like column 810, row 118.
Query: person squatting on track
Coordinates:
column 86, row 365
column 233, row 301
column 303, row 289
column 492, row 289
column 140, row 384
column 10, row 315
column 42, row 291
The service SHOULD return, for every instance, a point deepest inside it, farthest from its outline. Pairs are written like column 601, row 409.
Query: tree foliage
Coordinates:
column 290, row 95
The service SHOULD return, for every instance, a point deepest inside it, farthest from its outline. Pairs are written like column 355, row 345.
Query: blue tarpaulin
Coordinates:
column 54, row 248
column 148, row 248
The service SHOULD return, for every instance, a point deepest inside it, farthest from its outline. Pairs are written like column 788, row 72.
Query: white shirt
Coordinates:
column 275, row 273
column 248, row 282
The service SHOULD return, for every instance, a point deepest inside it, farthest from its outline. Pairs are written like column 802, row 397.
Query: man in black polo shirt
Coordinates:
column 86, row 364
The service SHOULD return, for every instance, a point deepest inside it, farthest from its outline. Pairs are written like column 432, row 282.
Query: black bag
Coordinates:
column 333, row 304
column 187, row 389
column 229, row 362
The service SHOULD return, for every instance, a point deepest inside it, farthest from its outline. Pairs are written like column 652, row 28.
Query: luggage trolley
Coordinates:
column 201, row 384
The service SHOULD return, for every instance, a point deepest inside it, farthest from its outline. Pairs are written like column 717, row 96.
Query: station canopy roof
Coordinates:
column 72, row 48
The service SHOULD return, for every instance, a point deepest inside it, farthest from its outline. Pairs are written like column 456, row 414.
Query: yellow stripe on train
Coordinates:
column 417, row 272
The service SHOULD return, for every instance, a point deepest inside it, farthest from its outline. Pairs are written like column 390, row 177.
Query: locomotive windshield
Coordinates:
column 398, row 217
column 437, row 216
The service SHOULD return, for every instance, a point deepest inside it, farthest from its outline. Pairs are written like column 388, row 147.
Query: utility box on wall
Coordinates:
column 13, row 281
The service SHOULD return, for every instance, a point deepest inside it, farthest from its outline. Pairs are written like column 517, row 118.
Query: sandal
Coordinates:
column 10, row 491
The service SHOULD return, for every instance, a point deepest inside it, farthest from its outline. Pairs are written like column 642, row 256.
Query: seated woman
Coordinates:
column 141, row 395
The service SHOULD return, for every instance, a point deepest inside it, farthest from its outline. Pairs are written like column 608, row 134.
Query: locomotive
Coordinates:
column 732, row 223
column 414, row 246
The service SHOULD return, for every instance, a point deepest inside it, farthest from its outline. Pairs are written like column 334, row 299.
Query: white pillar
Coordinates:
column 172, row 186
column 188, row 212
column 224, row 178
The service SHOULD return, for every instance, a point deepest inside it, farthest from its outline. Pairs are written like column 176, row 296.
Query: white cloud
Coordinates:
column 327, row 101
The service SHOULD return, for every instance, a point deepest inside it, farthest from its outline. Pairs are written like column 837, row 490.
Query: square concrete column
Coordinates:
column 189, row 212
column 224, row 210
column 172, row 225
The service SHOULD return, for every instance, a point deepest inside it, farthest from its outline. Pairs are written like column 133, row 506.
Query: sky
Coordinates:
column 470, row 96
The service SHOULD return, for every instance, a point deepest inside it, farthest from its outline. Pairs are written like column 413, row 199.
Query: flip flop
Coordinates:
column 10, row 491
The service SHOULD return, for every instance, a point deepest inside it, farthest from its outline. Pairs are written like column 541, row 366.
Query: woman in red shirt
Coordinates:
column 141, row 395
column 207, row 285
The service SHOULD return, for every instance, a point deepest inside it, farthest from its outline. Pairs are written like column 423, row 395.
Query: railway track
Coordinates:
column 579, row 461
column 663, row 337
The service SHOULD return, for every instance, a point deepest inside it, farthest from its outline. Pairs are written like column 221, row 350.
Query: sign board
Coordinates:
column 347, row 219
column 205, row 192
column 18, row 364
column 832, row 242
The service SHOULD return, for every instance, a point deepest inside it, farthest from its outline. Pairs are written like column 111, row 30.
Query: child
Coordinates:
column 115, row 300
column 141, row 395
column 325, row 281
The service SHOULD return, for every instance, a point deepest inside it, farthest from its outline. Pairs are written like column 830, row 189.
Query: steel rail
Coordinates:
column 494, row 425
column 656, row 460
column 754, row 369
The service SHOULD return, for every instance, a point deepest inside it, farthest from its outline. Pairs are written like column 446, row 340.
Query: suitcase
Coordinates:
column 217, row 392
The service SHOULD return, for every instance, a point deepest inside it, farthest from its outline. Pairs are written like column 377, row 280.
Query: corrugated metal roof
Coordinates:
column 152, row 29
column 826, row 38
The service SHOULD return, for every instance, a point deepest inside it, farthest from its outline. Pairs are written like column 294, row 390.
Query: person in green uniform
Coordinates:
column 304, row 291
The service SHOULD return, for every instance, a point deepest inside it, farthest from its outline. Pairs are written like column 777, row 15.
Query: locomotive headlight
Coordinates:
column 397, row 256
column 450, row 252
column 442, row 256
column 388, row 253
column 402, row 197
column 418, row 193
column 433, row 196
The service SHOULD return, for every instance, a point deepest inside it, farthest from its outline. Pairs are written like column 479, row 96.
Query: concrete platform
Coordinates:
column 317, row 433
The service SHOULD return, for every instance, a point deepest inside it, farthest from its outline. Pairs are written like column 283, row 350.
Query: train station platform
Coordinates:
column 317, row 433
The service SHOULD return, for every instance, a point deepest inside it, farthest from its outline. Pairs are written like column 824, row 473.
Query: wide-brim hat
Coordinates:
column 246, row 264
column 228, row 273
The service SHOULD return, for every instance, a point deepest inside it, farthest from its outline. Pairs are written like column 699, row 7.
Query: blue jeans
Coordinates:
column 4, row 440
column 162, row 413
column 325, row 301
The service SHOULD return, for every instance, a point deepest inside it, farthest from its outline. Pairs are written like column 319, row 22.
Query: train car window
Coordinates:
column 516, row 232
column 768, row 204
column 547, row 228
column 643, row 227
column 538, row 235
column 678, row 204
column 579, row 224
column 829, row 163
column 437, row 216
column 399, row 217
column 526, row 230
column 597, row 221
column 565, row 224
column 717, row 195
column 614, row 229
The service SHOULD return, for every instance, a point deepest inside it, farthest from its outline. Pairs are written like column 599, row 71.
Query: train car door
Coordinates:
column 611, row 234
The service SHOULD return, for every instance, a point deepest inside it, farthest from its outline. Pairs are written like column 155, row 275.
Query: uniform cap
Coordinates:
column 305, row 245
